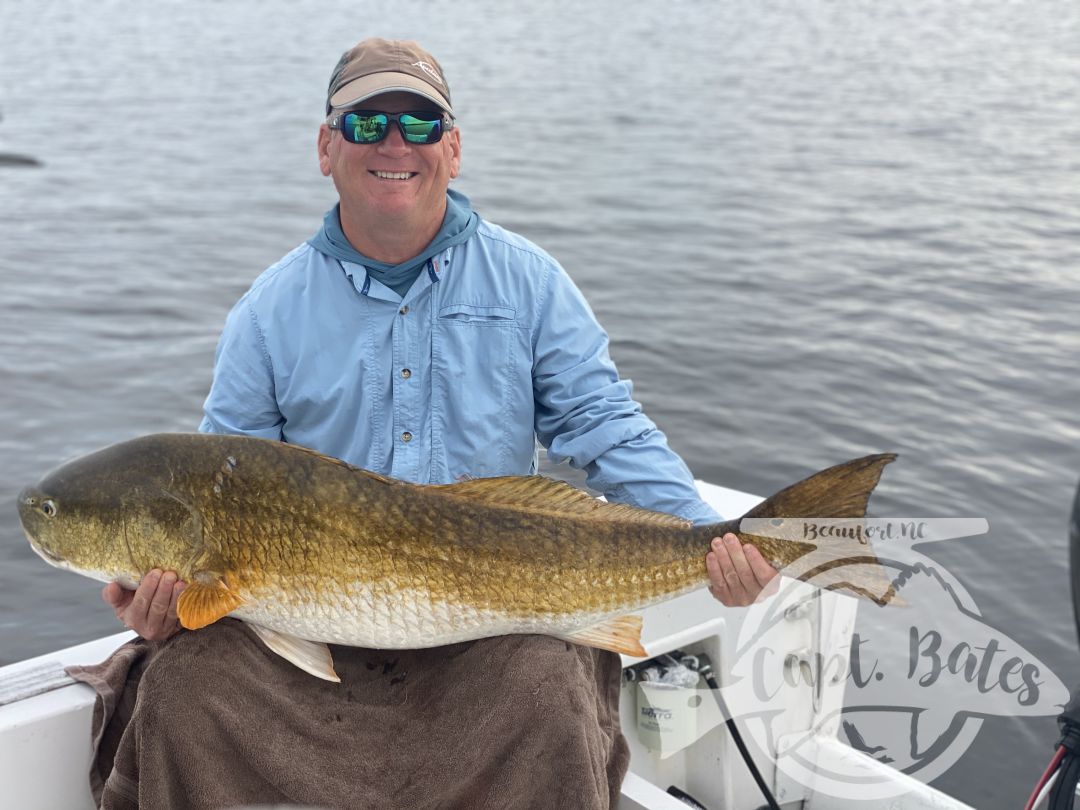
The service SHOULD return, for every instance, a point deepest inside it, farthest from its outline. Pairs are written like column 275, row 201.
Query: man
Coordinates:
column 411, row 338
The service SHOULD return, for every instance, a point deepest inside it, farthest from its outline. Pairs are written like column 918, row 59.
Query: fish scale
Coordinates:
column 309, row 549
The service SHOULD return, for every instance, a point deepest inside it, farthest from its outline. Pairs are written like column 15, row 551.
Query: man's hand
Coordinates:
column 738, row 573
column 150, row 610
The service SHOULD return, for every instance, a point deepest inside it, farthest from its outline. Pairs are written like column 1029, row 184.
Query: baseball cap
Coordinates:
column 377, row 65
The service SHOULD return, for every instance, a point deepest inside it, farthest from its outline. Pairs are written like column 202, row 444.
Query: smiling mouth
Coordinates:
column 394, row 175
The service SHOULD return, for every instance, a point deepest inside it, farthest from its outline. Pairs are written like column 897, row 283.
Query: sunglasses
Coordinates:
column 369, row 126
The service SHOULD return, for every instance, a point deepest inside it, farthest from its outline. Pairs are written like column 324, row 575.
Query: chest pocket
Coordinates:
column 476, row 315
column 482, row 391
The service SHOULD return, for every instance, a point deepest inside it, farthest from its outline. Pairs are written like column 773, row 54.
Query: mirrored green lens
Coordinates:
column 371, row 127
column 364, row 128
column 419, row 130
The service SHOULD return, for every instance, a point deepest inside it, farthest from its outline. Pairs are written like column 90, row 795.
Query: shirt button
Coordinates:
column 403, row 311
column 406, row 373
column 406, row 436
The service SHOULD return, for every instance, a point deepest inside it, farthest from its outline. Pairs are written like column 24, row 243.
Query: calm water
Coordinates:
column 814, row 230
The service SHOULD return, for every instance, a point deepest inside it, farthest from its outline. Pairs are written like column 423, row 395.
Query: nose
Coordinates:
column 393, row 144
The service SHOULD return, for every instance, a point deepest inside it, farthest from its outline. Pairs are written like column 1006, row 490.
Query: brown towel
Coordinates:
column 116, row 682
column 506, row 722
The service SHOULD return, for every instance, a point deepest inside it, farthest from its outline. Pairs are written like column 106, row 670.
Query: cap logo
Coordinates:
column 429, row 70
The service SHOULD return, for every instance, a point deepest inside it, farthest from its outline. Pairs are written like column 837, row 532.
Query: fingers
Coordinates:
column 118, row 598
column 152, row 610
column 763, row 572
column 717, row 585
column 139, row 609
column 737, row 574
column 766, row 576
column 735, row 571
column 177, row 589
column 158, row 623
column 114, row 595
column 157, row 613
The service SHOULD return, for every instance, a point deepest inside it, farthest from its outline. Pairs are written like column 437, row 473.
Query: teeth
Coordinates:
column 393, row 175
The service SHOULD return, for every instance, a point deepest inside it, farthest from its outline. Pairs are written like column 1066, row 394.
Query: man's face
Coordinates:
column 359, row 170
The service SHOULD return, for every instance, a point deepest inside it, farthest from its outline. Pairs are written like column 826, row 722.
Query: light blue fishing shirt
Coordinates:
column 491, row 349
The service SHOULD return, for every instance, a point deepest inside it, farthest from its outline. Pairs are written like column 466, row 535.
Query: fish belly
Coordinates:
column 406, row 619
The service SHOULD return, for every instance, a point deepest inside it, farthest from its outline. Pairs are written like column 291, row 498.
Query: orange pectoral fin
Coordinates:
column 621, row 634
column 200, row 605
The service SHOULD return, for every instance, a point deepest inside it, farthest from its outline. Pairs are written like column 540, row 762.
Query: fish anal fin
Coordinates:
column 201, row 603
column 621, row 634
column 551, row 496
column 311, row 656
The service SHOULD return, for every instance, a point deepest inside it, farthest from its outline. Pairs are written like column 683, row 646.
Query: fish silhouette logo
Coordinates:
column 919, row 682
column 911, row 690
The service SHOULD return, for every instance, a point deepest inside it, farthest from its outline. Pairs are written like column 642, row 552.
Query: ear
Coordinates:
column 323, row 148
column 454, row 139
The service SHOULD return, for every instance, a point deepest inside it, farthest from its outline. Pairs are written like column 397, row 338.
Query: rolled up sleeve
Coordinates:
column 242, row 397
column 586, row 414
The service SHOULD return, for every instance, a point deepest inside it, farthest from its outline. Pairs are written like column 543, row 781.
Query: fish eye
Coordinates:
column 49, row 508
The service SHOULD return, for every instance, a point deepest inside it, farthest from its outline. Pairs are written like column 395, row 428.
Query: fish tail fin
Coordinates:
column 821, row 518
column 837, row 492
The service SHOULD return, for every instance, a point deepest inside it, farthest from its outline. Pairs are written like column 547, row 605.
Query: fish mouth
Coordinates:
column 48, row 556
